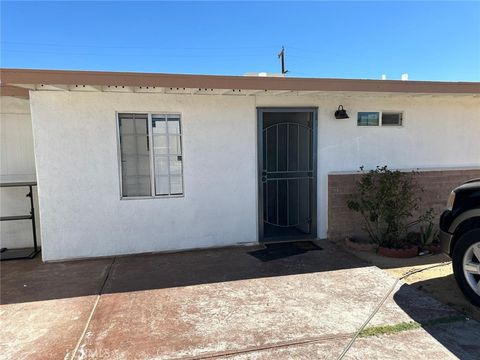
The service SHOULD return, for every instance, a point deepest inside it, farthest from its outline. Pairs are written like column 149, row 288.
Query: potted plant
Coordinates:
column 387, row 201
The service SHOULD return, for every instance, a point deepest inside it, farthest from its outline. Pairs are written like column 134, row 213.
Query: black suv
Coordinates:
column 460, row 237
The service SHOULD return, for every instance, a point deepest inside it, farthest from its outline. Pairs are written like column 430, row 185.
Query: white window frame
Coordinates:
column 152, row 165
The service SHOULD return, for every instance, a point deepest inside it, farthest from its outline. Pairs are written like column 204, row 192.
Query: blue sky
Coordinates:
column 428, row 40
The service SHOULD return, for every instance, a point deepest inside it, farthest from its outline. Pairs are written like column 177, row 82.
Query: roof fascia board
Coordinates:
column 97, row 78
column 14, row 91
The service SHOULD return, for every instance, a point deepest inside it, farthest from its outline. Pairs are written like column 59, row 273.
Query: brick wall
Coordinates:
column 436, row 183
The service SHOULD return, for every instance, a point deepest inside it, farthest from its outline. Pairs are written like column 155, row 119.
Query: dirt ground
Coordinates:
column 438, row 281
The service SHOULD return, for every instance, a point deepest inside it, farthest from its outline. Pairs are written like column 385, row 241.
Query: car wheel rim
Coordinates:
column 471, row 267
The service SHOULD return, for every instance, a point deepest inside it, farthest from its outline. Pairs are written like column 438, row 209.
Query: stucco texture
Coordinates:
column 77, row 163
column 437, row 132
column 78, row 175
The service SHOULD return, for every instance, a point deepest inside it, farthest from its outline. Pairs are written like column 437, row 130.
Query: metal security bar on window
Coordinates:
column 390, row 118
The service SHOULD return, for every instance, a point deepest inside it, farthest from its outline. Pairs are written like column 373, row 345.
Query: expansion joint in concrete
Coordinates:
column 94, row 308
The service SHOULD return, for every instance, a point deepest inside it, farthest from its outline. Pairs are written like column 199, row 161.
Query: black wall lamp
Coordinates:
column 341, row 113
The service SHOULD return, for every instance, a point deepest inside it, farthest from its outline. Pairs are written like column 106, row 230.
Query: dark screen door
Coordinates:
column 287, row 180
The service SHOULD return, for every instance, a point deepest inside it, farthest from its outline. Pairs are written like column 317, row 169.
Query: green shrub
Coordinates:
column 387, row 200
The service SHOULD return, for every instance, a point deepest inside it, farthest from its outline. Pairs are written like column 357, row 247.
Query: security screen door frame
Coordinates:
column 313, row 111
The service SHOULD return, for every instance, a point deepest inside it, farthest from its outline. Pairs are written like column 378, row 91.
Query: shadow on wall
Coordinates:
column 32, row 280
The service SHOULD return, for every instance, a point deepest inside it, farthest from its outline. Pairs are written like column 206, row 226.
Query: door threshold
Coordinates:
column 288, row 239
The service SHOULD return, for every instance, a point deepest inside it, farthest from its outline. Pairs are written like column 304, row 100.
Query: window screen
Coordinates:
column 392, row 118
column 167, row 152
column 368, row 119
column 151, row 155
column 135, row 154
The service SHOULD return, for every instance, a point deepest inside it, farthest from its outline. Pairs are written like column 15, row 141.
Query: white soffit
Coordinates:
column 228, row 92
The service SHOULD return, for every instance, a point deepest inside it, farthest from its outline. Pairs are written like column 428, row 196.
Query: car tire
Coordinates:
column 464, row 244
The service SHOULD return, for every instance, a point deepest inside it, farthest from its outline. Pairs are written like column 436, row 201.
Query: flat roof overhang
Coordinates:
column 212, row 84
column 15, row 91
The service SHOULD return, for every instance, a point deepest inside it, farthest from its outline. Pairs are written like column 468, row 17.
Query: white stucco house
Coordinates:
column 133, row 162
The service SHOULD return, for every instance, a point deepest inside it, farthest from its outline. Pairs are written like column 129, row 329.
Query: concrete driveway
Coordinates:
column 222, row 303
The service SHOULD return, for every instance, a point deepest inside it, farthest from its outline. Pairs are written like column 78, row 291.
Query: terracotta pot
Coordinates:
column 359, row 246
column 398, row 253
column 434, row 248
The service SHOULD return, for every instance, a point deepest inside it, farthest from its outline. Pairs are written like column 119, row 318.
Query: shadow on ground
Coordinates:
column 446, row 290
column 459, row 334
column 26, row 283
column 391, row 263
column 32, row 280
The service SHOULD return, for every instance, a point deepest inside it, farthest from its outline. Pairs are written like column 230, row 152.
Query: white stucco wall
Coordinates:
column 17, row 162
column 76, row 154
column 437, row 132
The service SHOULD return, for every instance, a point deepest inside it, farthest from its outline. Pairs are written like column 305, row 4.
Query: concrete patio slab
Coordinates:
column 44, row 329
column 213, row 319
column 158, row 271
column 216, row 304
column 428, row 343
column 45, row 306
column 32, row 280
column 460, row 338
column 412, row 345
column 449, row 341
